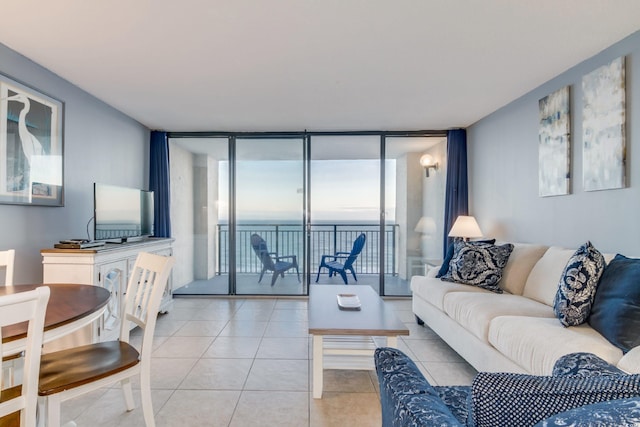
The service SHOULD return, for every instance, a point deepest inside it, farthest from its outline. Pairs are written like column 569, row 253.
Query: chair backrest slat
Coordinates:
column 7, row 259
column 146, row 286
column 260, row 248
column 358, row 244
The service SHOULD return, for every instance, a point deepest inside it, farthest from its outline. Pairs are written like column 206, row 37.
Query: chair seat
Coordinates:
column 283, row 265
column 335, row 265
column 12, row 419
column 66, row 369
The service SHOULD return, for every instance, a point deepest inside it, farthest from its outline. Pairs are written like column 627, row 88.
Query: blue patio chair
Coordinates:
column 334, row 266
column 267, row 259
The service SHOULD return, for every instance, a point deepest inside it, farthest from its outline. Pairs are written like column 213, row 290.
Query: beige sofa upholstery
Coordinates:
column 515, row 331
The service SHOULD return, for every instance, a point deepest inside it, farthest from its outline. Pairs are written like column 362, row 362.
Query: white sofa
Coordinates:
column 515, row 331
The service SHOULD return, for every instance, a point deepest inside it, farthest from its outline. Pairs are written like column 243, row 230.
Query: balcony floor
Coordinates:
column 247, row 284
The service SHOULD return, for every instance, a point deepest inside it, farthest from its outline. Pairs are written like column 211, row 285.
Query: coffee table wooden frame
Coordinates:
column 346, row 339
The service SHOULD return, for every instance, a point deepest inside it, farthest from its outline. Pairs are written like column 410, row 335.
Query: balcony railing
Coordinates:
column 288, row 239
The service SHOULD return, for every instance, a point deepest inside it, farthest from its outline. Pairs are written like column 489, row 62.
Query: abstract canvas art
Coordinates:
column 603, row 127
column 554, row 146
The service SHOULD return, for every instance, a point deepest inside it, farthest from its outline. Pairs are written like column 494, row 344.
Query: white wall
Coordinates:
column 503, row 171
column 182, row 214
column 433, row 203
column 100, row 145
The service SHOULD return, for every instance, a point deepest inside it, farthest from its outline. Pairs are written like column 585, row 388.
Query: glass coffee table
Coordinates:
column 344, row 339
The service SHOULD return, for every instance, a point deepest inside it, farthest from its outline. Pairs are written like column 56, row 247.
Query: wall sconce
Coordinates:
column 427, row 161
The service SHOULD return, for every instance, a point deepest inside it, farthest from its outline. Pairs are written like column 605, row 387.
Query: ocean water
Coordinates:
column 287, row 238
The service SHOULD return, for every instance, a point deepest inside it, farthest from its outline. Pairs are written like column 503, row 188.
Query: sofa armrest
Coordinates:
column 406, row 397
column 432, row 271
column 583, row 365
column 630, row 362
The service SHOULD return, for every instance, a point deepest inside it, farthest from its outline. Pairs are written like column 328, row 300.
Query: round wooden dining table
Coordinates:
column 70, row 307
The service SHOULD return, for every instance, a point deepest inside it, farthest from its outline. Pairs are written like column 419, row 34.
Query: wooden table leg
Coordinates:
column 317, row 366
column 392, row 342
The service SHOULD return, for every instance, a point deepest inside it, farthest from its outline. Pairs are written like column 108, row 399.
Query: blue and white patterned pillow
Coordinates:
column 506, row 399
column 618, row 413
column 578, row 284
column 457, row 398
column 583, row 365
column 478, row 264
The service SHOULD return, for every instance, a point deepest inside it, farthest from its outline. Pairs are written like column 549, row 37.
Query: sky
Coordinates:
column 341, row 190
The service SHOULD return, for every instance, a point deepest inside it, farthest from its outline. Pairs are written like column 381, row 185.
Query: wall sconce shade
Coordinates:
column 427, row 161
column 466, row 227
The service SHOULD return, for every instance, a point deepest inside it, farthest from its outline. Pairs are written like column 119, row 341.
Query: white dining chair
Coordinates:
column 7, row 258
column 72, row 372
column 18, row 403
column 12, row 363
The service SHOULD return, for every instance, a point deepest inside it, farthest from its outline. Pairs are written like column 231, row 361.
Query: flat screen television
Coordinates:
column 122, row 213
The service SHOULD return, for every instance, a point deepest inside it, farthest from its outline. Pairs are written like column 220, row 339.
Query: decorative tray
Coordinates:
column 348, row 302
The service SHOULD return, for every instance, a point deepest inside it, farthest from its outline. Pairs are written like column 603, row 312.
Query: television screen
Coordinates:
column 117, row 212
column 147, row 213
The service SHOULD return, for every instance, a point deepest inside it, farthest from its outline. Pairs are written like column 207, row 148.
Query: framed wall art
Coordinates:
column 554, row 144
column 603, row 127
column 31, row 146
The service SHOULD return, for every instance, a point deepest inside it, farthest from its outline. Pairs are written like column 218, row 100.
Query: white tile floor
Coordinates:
column 246, row 362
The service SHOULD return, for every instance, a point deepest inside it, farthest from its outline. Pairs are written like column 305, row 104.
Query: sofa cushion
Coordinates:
column 535, row 343
column 616, row 308
column 478, row 264
column 433, row 290
column 449, row 255
column 577, row 287
column 505, row 399
column 619, row 413
column 475, row 311
column 542, row 283
column 522, row 259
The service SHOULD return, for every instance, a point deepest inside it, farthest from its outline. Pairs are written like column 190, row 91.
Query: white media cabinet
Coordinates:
column 108, row 266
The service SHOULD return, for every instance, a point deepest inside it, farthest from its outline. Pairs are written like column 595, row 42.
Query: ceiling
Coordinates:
column 330, row 65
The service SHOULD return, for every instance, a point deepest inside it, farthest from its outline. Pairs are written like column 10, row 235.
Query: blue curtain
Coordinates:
column 457, row 190
column 159, row 182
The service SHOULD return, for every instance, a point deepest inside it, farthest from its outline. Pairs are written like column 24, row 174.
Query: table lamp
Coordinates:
column 465, row 227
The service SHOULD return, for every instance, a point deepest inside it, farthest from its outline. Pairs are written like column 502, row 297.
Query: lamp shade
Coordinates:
column 426, row 225
column 465, row 226
column 427, row 160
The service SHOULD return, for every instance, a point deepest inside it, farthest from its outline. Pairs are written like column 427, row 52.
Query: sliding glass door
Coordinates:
column 269, row 232
column 414, row 206
column 239, row 205
column 199, row 171
column 345, row 203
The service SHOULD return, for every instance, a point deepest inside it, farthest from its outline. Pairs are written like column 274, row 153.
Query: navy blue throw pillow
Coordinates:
column 616, row 307
column 449, row 255
column 578, row 284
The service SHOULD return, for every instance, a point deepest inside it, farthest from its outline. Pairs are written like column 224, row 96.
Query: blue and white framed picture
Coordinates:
column 603, row 127
column 31, row 146
column 554, row 144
